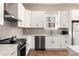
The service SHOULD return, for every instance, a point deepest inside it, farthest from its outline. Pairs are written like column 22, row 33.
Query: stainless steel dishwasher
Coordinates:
column 39, row 42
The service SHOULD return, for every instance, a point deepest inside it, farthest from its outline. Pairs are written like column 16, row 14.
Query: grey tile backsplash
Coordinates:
column 10, row 29
column 40, row 31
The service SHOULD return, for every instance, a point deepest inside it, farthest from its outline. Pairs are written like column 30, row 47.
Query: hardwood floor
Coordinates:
column 48, row 53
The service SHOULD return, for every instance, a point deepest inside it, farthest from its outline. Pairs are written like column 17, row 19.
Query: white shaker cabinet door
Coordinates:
column 27, row 18
column 56, row 43
column 37, row 19
column 32, row 42
column 52, row 43
column 65, row 42
column 1, row 13
column 63, row 19
column 48, row 43
column 75, row 14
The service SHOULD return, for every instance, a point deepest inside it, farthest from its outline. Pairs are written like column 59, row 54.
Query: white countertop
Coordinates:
column 6, row 49
column 43, row 35
column 75, row 48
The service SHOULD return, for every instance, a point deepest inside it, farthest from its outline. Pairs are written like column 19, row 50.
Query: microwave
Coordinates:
column 64, row 32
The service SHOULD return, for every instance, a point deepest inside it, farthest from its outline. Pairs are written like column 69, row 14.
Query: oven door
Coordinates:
column 22, row 50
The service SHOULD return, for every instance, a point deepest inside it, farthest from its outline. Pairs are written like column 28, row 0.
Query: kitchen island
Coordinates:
column 73, row 50
column 8, row 49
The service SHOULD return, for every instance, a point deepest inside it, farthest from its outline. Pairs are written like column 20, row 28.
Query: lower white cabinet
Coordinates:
column 31, row 42
column 8, row 49
column 60, row 42
column 52, row 43
column 12, row 50
column 65, row 42
column 27, row 49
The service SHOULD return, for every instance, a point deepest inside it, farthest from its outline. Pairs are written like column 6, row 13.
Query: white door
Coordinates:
column 76, row 33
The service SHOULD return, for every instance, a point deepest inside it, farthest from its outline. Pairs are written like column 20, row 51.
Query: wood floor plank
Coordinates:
column 48, row 53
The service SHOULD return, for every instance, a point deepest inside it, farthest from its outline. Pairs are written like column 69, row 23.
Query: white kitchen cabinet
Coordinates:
column 20, row 11
column 1, row 13
column 52, row 43
column 24, row 15
column 24, row 18
column 8, row 49
column 50, row 20
column 21, row 15
column 31, row 42
column 75, row 14
column 37, row 19
column 65, row 42
column 57, row 43
column 63, row 19
column 27, row 18
column 12, row 50
column 27, row 49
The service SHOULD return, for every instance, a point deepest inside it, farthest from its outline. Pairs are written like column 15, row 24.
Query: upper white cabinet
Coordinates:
column 37, row 19
column 75, row 14
column 21, row 15
column 63, row 19
column 50, row 21
column 27, row 18
column 1, row 13
column 20, row 11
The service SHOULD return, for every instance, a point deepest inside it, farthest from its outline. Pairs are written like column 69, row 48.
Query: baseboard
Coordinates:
column 52, row 49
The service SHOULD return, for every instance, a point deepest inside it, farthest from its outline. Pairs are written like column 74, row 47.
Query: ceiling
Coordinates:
column 51, row 6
